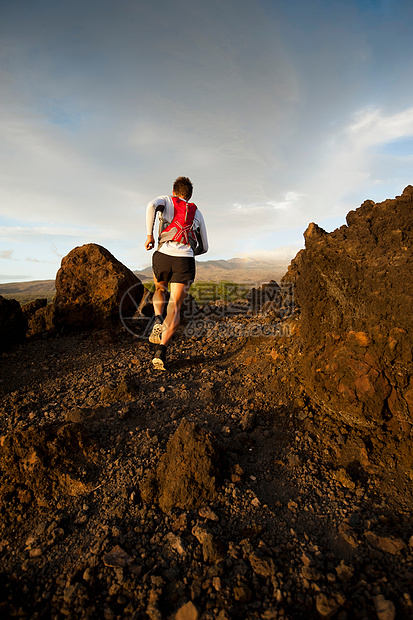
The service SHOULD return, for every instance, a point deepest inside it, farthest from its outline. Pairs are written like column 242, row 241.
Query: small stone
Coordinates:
column 108, row 614
column 211, row 550
column 26, row 565
column 30, row 541
column 117, row 558
column 306, row 559
column 343, row 478
column 344, row 572
column 181, row 523
column 327, row 607
column 176, row 543
column 207, row 513
column 262, row 565
column 310, row 573
column 4, row 544
column 248, row 421
column 187, row 612
column 57, row 533
column 24, row 496
column 69, row 593
column 242, row 594
column 347, row 534
column 237, row 469
column 385, row 609
column 216, row 582
column 388, row 544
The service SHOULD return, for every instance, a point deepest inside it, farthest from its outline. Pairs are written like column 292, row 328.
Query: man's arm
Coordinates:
column 151, row 210
column 201, row 235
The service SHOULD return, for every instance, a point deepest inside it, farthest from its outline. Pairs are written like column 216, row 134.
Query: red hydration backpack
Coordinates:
column 181, row 227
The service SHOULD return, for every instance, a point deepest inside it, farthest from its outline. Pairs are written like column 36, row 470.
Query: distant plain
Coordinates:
column 244, row 271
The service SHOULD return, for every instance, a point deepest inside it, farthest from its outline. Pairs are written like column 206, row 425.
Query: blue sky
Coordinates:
column 281, row 113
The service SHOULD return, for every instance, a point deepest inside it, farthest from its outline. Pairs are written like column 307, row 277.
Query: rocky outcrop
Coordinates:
column 265, row 295
column 186, row 475
column 39, row 315
column 272, row 298
column 92, row 286
column 13, row 323
column 41, row 322
column 355, row 290
column 32, row 307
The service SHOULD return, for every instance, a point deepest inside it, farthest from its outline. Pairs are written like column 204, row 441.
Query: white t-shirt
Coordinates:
column 166, row 206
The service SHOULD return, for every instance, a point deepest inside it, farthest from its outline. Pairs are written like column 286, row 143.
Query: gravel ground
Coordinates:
column 313, row 519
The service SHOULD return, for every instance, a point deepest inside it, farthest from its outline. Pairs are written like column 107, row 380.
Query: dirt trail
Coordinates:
column 312, row 518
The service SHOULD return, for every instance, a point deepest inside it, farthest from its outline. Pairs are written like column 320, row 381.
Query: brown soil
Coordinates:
column 311, row 518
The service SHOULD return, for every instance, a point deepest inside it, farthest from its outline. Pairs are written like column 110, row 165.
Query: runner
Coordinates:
column 182, row 236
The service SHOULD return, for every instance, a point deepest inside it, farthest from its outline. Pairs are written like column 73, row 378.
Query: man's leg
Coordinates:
column 159, row 297
column 158, row 300
column 173, row 313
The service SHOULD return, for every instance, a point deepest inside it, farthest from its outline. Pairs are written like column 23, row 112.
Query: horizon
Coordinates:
column 274, row 262
column 281, row 114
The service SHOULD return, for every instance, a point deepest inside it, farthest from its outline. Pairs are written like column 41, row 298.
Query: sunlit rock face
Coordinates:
column 355, row 290
column 90, row 285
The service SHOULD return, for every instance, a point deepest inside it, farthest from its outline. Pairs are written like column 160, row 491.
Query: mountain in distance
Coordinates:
column 240, row 270
column 28, row 291
column 249, row 271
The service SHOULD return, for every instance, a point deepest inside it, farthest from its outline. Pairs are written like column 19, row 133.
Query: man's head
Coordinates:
column 182, row 187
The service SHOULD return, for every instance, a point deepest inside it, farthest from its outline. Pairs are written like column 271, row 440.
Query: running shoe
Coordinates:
column 156, row 333
column 159, row 360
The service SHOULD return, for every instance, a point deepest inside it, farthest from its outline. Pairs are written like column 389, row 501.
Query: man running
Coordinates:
column 182, row 236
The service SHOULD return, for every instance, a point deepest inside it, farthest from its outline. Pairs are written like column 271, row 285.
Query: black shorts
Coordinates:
column 180, row 269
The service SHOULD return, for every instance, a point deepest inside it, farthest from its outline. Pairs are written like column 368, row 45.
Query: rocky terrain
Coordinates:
column 260, row 477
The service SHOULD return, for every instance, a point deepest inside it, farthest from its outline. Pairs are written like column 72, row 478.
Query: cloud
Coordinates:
column 30, row 259
column 7, row 254
column 21, row 233
column 372, row 126
column 352, row 166
column 276, row 111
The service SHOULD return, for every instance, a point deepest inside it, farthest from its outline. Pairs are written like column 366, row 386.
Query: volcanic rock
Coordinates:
column 54, row 456
column 211, row 549
column 385, row 543
column 13, row 323
column 93, row 288
column 385, row 609
column 186, row 476
column 39, row 315
column 33, row 306
column 125, row 390
column 269, row 293
column 187, row 612
column 355, row 290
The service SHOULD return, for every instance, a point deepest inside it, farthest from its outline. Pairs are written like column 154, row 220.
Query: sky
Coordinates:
column 281, row 113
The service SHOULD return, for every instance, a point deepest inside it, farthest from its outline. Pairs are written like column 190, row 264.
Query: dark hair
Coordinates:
column 183, row 187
